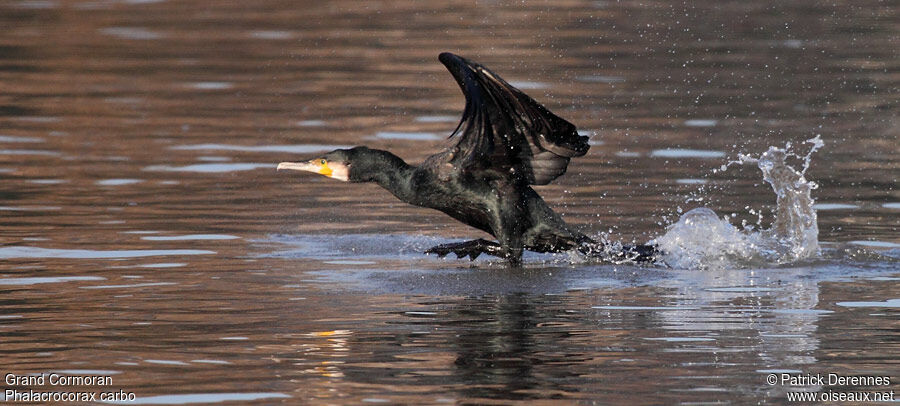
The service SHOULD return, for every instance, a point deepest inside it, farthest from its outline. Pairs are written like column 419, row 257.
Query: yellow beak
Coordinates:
column 339, row 171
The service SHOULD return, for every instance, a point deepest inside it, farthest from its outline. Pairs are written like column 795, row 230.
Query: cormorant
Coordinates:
column 506, row 142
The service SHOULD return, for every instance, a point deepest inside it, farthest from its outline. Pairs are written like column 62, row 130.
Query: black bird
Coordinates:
column 506, row 142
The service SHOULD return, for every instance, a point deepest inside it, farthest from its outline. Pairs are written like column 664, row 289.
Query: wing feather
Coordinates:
column 504, row 129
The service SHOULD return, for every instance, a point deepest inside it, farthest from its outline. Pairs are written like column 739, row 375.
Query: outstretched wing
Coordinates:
column 505, row 129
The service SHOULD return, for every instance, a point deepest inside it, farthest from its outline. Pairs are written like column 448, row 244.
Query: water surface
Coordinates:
column 146, row 235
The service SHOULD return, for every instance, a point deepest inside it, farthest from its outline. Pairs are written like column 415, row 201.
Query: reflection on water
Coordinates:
column 294, row 149
column 147, row 237
column 203, row 398
column 834, row 206
column 686, row 153
column 700, row 123
column 131, row 33
column 407, row 136
column 209, row 168
column 58, row 279
column 38, row 252
column 190, row 237
column 118, row 182
column 893, row 303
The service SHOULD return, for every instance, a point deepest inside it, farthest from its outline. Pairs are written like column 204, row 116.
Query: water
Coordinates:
column 702, row 240
column 147, row 237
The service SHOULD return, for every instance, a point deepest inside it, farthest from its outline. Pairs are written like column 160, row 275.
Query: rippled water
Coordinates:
column 146, row 236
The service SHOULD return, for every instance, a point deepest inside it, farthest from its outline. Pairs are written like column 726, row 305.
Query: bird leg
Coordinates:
column 471, row 249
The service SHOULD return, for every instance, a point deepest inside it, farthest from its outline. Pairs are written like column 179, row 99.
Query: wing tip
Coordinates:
column 489, row 97
column 456, row 64
column 582, row 146
column 464, row 74
column 447, row 57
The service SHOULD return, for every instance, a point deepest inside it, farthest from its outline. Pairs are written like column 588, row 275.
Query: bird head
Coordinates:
column 357, row 164
column 336, row 164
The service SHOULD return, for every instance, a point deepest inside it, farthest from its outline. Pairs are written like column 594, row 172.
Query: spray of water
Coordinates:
column 702, row 240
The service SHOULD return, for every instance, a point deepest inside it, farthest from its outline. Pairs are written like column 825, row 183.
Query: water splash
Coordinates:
column 795, row 226
column 702, row 240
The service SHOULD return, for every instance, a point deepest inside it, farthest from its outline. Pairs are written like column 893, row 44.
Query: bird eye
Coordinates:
column 324, row 162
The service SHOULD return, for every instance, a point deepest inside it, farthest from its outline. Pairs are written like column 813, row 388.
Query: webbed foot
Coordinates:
column 471, row 249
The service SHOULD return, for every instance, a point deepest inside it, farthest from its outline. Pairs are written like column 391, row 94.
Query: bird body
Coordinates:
column 506, row 142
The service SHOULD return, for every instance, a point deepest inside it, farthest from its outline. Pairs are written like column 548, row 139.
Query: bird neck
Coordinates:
column 392, row 173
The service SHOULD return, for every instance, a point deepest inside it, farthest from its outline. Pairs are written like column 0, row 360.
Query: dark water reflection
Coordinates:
column 146, row 236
